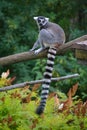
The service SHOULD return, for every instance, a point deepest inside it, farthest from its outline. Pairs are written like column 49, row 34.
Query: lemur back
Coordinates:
column 50, row 35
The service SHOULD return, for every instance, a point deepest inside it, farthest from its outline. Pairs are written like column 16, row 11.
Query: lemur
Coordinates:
column 50, row 35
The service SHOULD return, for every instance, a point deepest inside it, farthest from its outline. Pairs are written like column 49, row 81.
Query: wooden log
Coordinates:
column 81, row 52
column 25, row 56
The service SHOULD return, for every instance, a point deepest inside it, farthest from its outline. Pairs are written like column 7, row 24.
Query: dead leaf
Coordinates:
column 12, row 79
column 51, row 95
column 25, row 89
column 15, row 95
column 9, row 119
column 27, row 99
column 56, row 100
column 9, row 81
column 70, row 98
column 42, row 115
column 35, row 87
column 35, row 121
column 73, row 90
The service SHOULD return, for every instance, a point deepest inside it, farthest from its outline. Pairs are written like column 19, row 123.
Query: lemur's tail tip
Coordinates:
column 39, row 110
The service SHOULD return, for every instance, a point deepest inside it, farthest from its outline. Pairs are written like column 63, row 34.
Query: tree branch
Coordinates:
column 21, row 85
column 30, row 55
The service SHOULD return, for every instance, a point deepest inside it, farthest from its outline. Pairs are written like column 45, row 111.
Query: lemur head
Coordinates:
column 41, row 21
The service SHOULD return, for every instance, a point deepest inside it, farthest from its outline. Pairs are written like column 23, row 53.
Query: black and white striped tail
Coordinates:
column 47, row 80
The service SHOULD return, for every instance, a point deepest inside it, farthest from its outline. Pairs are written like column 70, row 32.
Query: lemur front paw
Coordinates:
column 36, row 52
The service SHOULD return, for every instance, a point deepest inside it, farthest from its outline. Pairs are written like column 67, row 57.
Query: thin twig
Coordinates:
column 21, row 85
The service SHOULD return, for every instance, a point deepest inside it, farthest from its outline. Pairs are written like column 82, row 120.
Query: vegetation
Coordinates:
column 18, row 32
column 63, row 112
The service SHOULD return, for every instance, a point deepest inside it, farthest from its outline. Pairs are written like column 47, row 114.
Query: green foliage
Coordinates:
column 18, row 32
column 12, row 114
column 76, row 33
column 39, row 68
column 17, row 111
column 64, row 65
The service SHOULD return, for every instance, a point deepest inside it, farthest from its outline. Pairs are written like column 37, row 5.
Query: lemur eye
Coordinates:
column 39, row 20
column 43, row 21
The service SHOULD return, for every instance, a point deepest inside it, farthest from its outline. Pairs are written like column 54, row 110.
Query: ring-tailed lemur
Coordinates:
column 50, row 35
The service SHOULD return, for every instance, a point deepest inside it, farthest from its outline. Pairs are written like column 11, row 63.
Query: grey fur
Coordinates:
column 50, row 35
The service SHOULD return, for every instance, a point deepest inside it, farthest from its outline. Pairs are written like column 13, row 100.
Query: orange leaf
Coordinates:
column 51, row 95
column 2, row 99
column 35, row 87
column 12, row 79
column 69, row 92
column 9, row 82
column 73, row 90
column 26, row 88
column 35, row 121
column 15, row 95
column 56, row 99
column 27, row 99
column 10, row 119
column 69, row 103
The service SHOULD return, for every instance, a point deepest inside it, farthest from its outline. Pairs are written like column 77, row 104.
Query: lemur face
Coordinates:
column 41, row 20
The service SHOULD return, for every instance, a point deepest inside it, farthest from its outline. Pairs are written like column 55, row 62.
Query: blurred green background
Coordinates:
column 18, row 32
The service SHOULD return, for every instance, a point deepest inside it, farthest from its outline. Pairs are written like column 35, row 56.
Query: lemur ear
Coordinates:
column 47, row 19
column 35, row 18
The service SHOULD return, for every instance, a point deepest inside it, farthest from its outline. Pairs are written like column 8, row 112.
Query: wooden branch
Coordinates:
column 30, row 55
column 21, row 85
